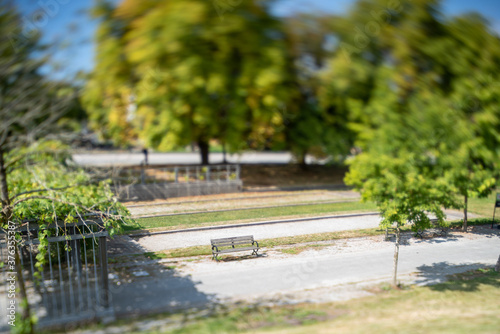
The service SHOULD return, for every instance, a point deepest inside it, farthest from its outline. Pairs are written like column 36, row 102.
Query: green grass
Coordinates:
column 229, row 217
column 468, row 303
column 483, row 206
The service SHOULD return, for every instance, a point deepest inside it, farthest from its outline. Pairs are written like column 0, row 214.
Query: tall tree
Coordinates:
column 306, row 36
column 475, row 96
column 193, row 73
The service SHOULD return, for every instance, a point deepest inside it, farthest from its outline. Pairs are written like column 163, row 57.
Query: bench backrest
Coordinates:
column 248, row 239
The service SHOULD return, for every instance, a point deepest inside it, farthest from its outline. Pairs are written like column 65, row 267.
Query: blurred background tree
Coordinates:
column 172, row 73
column 403, row 62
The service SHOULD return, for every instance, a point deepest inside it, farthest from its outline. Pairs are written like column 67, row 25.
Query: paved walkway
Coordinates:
column 264, row 230
column 341, row 270
column 421, row 262
column 336, row 270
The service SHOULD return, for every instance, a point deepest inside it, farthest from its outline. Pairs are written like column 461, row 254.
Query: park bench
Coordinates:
column 442, row 230
column 233, row 244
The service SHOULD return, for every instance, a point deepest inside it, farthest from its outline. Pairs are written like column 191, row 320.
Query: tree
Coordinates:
column 390, row 56
column 36, row 183
column 399, row 170
column 303, row 121
column 180, row 73
column 426, row 119
column 473, row 165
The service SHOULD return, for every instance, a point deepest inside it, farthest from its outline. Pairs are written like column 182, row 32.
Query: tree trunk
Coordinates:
column 303, row 162
column 224, row 161
column 4, row 189
column 464, row 227
column 6, row 215
column 203, row 145
column 396, row 257
column 497, row 267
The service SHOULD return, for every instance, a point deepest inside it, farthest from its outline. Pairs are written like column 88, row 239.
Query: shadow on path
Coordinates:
column 149, row 287
column 441, row 272
column 140, row 286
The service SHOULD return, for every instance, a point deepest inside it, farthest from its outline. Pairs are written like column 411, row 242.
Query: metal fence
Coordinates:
column 184, row 174
column 72, row 283
column 146, row 184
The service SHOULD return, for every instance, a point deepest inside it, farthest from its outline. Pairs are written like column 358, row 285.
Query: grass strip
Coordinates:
column 221, row 218
column 467, row 303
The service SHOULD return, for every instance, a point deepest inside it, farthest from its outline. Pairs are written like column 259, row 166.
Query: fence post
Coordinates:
column 176, row 172
column 208, row 173
column 228, row 172
column 238, row 171
column 103, row 258
column 143, row 177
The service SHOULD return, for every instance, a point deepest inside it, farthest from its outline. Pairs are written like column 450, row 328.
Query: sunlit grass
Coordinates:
column 230, row 217
column 483, row 206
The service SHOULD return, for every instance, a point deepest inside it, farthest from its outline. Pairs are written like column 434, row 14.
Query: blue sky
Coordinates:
column 69, row 26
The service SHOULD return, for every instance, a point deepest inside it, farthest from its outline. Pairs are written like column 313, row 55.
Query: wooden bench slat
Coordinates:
column 250, row 237
column 227, row 245
column 236, row 249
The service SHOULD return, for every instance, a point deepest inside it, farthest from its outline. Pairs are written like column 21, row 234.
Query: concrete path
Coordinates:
column 421, row 262
column 263, row 230
column 341, row 270
column 336, row 270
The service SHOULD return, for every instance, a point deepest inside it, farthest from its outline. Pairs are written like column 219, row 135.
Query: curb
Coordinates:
column 269, row 222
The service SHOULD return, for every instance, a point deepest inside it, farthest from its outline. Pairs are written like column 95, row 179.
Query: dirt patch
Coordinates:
column 291, row 175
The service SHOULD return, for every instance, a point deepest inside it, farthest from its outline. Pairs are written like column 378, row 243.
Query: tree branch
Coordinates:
column 88, row 209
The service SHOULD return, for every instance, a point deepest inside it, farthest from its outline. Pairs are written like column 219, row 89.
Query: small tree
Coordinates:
column 402, row 188
column 400, row 169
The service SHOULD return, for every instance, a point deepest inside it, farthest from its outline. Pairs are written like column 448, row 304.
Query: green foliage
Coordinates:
column 24, row 325
column 191, row 74
column 45, row 187
column 426, row 119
